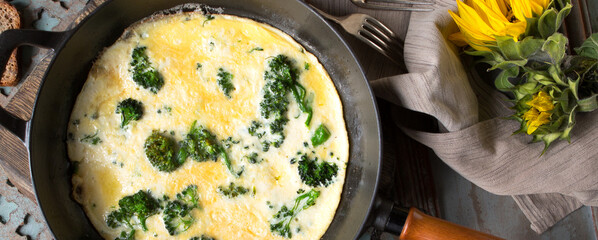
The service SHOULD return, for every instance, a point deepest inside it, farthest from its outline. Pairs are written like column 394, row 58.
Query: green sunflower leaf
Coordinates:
column 532, row 27
column 548, row 139
column 563, row 12
column 574, row 86
column 551, row 20
column 529, row 46
column 555, row 46
column 547, row 23
column 588, row 104
column 508, row 47
column 502, row 80
column 489, row 57
column 508, row 64
column 555, row 74
column 589, row 48
column 567, row 101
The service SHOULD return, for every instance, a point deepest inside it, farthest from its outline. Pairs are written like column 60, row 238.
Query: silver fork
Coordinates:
column 400, row 5
column 372, row 32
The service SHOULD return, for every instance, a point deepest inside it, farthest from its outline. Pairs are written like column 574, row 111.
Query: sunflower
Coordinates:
column 540, row 111
column 481, row 21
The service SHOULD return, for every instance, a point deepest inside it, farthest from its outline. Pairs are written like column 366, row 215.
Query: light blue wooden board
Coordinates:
column 464, row 203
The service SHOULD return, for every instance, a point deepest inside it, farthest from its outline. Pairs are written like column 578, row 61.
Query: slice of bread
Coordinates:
column 9, row 19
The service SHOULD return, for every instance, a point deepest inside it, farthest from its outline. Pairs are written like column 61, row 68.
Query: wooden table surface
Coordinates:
column 415, row 177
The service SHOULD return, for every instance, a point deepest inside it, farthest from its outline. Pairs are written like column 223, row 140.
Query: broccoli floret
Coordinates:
column 281, row 221
column 229, row 142
column 314, row 174
column 141, row 204
column 265, row 146
column 117, row 218
column 320, row 136
column 177, row 217
column 281, row 79
column 144, row 74
column 203, row 237
column 126, row 235
column 253, row 158
column 201, row 145
column 232, row 191
column 277, row 126
column 160, row 151
column 224, row 81
column 129, row 110
column 254, row 128
column 177, row 213
column 189, row 196
column 283, row 71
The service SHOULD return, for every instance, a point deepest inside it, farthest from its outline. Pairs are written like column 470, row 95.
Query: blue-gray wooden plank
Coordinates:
column 20, row 218
column 466, row 204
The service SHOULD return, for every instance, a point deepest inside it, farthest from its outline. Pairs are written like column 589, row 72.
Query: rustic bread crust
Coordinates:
column 9, row 19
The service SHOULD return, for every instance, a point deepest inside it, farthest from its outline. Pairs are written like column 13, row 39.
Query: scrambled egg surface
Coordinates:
column 189, row 50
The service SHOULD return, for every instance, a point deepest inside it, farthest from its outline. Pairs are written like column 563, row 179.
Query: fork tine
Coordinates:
column 412, row 2
column 387, row 42
column 383, row 32
column 393, row 57
column 380, row 45
column 382, row 29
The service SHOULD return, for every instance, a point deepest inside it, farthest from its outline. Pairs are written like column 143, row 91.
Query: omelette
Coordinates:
column 208, row 126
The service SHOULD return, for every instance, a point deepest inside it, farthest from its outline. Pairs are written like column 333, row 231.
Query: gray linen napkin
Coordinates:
column 479, row 143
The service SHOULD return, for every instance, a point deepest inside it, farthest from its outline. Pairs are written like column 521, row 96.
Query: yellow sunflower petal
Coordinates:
column 531, row 129
column 472, row 18
column 503, row 5
column 476, row 43
column 470, row 30
column 521, row 9
column 543, row 3
column 542, row 101
column 542, row 119
column 530, row 115
column 458, row 39
column 497, row 6
column 473, row 4
column 493, row 17
column 515, row 29
column 538, row 6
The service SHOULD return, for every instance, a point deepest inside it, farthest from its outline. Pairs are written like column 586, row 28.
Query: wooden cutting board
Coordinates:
column 19, row 102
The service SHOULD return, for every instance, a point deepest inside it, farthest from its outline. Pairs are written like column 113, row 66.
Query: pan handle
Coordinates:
column 15, row 125
column 11, row 39
column 412, row 224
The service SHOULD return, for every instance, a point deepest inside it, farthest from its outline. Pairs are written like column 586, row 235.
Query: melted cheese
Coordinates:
column 117, row 166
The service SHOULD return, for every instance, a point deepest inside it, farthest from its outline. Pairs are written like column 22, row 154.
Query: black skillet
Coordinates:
column 45, row 134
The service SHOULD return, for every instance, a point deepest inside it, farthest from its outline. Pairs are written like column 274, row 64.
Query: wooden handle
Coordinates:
column 422, row 226
column 13, row 160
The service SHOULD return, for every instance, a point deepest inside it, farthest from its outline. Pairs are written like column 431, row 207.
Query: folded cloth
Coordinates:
column 479, row 143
